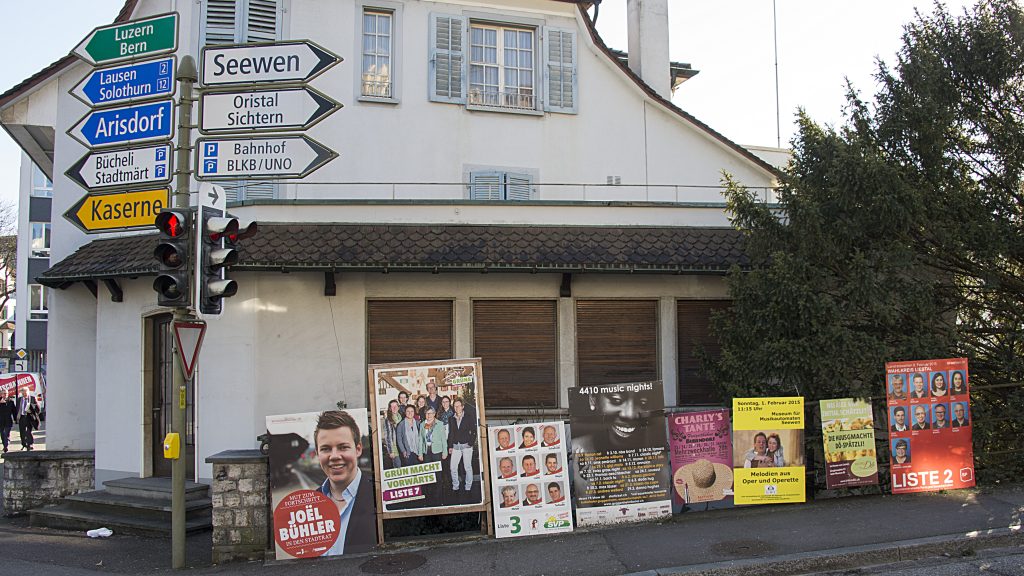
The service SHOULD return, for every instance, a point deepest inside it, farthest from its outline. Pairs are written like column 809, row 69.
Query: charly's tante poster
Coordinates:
column 768, row 450
column 701, row 459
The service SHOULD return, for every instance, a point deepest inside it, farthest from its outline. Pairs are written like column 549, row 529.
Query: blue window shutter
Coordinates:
column 447, row 59
column 560, row 81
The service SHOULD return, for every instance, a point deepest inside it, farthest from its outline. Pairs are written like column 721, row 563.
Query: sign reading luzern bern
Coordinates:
column 127, row 83
column 123, row 168
column 263, row 110
column 271, row 157
column 131, row 40
column 125, row 124
column 96, row 213
column 297, row 61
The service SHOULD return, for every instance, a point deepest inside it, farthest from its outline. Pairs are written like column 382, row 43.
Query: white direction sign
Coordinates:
column 263, row 110
column 213, row 196
column 188, row 335
column 124, row 168
column 264, row 157
column 296, row 61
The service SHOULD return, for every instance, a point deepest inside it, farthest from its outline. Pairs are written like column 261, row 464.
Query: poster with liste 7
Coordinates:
column 930, row 422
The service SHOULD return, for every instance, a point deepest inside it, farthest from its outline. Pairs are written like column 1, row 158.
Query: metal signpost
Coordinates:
column 133, row 82
column 124, row 168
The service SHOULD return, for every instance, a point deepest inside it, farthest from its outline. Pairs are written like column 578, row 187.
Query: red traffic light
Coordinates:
column 172, row 224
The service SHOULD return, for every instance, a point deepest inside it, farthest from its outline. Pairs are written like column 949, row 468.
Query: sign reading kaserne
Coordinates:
column 125, row 124
column 263, row 110
column 127, row 83
column 271, row 157
column 129, row 41
column 297, row 61
column 97, row 213
column 123, row 168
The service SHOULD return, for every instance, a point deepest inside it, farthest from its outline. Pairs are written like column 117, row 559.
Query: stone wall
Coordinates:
column 37, row 478
column 241, row 505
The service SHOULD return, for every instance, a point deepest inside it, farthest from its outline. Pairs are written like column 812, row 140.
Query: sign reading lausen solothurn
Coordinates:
column 297, row 61
column 125, row 124
column 127, row 83
column 130, row 41
column 269, row 157
column 263, row 110
column 123, row 168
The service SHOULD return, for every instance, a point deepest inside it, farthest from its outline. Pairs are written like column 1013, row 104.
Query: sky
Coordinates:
column 731, row 43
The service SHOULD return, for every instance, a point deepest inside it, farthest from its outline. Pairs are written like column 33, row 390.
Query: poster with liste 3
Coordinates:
column 530, row 482
column 930, row 423
column 768, row 450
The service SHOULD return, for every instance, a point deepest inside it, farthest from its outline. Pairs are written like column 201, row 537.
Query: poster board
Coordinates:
column 531, row 480
column 764, row 475
column 848, row 434
column 930, row 425
column 701, row 445
column 322, row 499
column 620, row 453
column 411, row 486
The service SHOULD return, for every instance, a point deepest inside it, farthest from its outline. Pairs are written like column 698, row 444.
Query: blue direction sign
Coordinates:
column 126, row 124
column 129, row 83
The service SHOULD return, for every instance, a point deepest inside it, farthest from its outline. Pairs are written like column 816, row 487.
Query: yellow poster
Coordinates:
column 768, row 450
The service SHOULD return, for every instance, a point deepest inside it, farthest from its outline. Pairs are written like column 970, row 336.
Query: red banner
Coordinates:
column 930, row 422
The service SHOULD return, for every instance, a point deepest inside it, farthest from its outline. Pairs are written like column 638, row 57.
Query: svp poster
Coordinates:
column 620, row 453
column 701, row 459
column 530, row 481
column 428, row 417
column 930, row 443
column 847, row 430
column 768, row 450
column 321, row 484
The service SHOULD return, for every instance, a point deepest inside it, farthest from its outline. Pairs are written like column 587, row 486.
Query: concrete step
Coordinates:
column 103, row 500
column 155, row 488
column 67, row 516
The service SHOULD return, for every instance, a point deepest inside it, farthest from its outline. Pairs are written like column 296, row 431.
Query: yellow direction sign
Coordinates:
column 98, row 213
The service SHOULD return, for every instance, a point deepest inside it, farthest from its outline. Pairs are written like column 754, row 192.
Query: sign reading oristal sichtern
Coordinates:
column 263, row 110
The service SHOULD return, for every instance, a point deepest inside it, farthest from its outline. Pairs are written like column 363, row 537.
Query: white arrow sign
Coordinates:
column 125, row 168
column 263, row 110
column 298, row 61
column 267, row 157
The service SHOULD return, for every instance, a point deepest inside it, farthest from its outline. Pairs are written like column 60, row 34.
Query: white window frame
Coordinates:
column 45, row 190
column 38, row 307
column 40, row 230
column 507, row 95
column 394, row 11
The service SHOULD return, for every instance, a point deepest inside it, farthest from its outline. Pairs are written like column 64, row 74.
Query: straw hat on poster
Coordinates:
column 705, row 481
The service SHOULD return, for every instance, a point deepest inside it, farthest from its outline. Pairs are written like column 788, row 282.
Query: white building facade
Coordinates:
column 505, row 188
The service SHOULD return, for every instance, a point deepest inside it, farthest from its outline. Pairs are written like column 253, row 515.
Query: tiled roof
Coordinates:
column 444, row 248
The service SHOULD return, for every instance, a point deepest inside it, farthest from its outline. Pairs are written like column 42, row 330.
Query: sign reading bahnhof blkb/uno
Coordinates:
column 125, row 125
column 768, row 450
column 127, row 83
column 129, row 41
column 271, row 157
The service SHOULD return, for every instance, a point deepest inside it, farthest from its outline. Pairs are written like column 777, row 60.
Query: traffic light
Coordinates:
column 215, row 255
column 172, row 253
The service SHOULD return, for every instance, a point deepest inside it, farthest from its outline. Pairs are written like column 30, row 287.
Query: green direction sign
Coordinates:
column 131, row 40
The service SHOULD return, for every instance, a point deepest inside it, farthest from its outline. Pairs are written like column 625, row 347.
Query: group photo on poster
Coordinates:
column 847, row 430
column 701, row 445
column 321, row 484
column 620, row 453
column 930, row 432
column 529, row 480
column 428, row 416
column 768, row 450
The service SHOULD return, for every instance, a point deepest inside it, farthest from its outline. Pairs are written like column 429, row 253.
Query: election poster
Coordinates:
column 701, row 460
column 768, row 450
column 427, row 418
column 530, row 482
column 847, row 430
column 321, row 484
column 929, row 406
column 620, row 453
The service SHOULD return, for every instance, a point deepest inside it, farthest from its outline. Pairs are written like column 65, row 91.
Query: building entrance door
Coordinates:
column 163, row 395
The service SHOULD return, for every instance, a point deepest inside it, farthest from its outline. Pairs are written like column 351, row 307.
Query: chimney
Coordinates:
column 648, row 43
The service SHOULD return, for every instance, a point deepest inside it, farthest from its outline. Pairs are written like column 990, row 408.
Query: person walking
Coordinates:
column 8, row 413
column 28, row 418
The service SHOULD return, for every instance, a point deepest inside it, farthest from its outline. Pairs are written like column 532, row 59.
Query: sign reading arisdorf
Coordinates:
column 269, row 157
column 296, row 61
column 123, row 168
column 125, row 124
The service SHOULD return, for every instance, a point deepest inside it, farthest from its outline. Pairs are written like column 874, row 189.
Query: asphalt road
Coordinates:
column 994, row 562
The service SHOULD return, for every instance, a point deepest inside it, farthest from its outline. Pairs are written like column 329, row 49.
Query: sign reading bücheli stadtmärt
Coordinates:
column 296, row 61
column 133, row 82
column 123, row 168
column 125, row 125
column 130, row 40
column 266, row 157
column 263, row 110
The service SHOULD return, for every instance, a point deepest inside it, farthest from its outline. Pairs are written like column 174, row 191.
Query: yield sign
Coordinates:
column 188, row 335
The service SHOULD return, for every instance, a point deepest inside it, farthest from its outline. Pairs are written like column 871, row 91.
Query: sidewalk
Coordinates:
column 781, row 539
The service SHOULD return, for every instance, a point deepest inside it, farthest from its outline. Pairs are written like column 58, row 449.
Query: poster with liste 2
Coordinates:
column 321, row 484
column 701, row 460
column 847, row 430
column 768, row 450
column 529, row 481
column 620, row 453
column 930, row 422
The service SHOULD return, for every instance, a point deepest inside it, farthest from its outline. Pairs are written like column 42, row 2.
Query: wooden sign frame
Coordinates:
column 484, row 506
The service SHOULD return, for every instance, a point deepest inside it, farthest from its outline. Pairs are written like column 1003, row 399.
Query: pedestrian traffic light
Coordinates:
column 215, row 256
column 172, row 254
